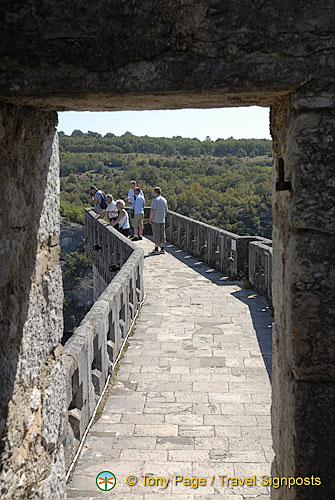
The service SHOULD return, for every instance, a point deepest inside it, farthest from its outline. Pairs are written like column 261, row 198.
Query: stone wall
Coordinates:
column 99, row 284
column 32, row 393
column 90, row 354
column 178, row 53
column 303, row 293
column 260, row 267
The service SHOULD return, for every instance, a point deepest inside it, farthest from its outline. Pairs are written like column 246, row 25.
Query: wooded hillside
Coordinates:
column 226, row 183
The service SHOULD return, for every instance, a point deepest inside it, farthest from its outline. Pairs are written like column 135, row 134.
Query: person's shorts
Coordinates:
column 158, row 232
column 123, row 231
column 138, row 220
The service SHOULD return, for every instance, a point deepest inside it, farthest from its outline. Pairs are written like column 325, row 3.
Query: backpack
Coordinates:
column 103, row 203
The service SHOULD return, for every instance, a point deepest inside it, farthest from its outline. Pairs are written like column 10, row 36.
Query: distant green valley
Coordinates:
column 226, row 183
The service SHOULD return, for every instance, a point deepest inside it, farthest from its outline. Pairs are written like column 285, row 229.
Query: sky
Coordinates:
column 240, row 123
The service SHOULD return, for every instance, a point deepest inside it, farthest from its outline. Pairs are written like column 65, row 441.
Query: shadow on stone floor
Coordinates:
column 256, row 303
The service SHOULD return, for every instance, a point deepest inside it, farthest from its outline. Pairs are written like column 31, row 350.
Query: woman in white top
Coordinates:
column 122, row 221
column 111, row 209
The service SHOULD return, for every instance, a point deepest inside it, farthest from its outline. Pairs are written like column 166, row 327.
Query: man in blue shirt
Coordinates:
column 138, row 202
column 130, row 197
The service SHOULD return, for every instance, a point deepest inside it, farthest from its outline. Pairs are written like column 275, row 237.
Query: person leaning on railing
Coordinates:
column 122, row 222
column 111, row 210
column 97, row 199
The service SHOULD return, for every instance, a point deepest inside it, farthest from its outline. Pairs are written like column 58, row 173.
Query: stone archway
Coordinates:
column 177, row 54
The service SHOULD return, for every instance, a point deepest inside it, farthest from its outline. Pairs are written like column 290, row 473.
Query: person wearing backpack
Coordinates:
column 98, row 199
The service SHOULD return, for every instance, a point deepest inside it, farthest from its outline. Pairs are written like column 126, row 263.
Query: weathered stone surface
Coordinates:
column 31, row 315
column 167, row 424
column 167, row 56
column 190, row 53
column 305, row 444
column 260, row 267
column 71, row 236
column 99, row 284
column 54, row 407
column 93, row 349
column 312, row 307
column 312, row 159
column 303, row 294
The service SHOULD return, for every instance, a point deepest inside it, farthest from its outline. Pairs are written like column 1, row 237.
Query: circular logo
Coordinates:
column 106, row 480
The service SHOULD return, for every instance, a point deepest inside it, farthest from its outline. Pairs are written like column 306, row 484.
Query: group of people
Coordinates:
column 130, row 223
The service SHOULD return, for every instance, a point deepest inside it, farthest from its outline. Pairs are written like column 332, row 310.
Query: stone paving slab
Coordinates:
column 193, row 394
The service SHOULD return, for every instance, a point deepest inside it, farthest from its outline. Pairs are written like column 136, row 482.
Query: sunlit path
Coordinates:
column 192, row 396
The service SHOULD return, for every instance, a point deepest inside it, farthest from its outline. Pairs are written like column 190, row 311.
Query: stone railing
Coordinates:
column 249, row 257
column 91, row 353
column 260, row 267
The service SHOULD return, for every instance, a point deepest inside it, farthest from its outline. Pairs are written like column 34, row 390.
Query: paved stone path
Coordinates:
column 192, row 396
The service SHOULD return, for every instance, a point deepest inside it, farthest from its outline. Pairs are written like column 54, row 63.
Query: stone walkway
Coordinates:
column 192, row 396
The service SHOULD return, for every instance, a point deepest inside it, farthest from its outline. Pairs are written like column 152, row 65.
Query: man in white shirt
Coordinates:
column 158, row 213
column 138, row 202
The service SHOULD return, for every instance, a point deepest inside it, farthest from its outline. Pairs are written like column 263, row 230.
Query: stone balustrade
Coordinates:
column 260, row 267
column 249, row 257
column 90, row 354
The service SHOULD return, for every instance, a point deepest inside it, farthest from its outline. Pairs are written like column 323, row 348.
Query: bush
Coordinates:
column 75, row 265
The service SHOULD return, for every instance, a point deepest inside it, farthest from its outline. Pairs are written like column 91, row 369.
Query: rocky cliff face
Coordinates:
column 71, row 236
column 77, row 277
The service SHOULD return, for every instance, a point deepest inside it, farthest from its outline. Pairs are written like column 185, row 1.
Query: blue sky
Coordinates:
column 240, row 123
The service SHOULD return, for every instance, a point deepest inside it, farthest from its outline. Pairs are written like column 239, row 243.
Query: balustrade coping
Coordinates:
column 262, row 244
column 265, row 241
column 89, row 212
column 121, row 276
column 218, row 229
column 90, row 354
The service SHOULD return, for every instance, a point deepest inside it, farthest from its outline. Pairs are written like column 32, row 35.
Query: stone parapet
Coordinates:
column 247, row 256
column 91, row 353
column 260, row 267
